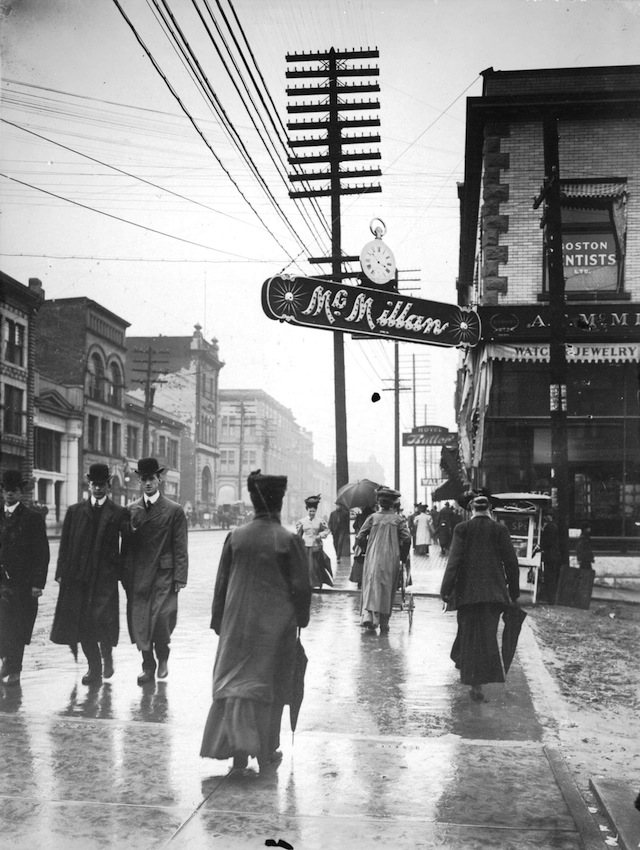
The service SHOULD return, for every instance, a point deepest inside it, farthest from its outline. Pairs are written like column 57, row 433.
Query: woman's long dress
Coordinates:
column 262, row 596
column 387, row 538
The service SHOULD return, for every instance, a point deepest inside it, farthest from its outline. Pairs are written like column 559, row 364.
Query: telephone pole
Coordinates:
column 150, row 370
column 334, row 66
column 552, row 224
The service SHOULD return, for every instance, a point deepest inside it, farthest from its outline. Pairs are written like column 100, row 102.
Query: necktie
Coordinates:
column 148, row 505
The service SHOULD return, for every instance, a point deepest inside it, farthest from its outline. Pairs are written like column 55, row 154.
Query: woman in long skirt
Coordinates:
column 313, row 529
column 481, row 581
column 387, row 539
column 262, row 596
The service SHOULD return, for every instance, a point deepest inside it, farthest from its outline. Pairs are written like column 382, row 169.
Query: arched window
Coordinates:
column 96, row 377
column 205, row 495
column 115, row 388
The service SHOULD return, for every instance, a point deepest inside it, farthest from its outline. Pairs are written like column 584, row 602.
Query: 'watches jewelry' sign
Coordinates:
column 315, row 303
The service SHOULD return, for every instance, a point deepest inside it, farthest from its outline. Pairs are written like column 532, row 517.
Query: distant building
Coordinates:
column 165, row 435
column 19, row 306
column 185, row 373
column 258, row 432
column 370, row 469
column 80, row 344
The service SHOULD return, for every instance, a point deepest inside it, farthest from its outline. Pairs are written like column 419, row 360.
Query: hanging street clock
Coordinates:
column 376, row 259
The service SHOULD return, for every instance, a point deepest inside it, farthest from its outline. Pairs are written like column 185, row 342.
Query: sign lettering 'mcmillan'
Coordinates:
column 364, row 310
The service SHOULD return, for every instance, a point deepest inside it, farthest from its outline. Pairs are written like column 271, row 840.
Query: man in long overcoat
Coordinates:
column 157, row 568
column 340, row 528
column 90, row 564
column 24, row 563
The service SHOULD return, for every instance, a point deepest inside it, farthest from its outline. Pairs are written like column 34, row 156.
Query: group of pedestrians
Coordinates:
column 142, row 547
column 261, row 598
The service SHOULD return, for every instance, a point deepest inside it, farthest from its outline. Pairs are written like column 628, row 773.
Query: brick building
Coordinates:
column 184, row 382
column 504, row 386
column 19, row 306
column 81, row 345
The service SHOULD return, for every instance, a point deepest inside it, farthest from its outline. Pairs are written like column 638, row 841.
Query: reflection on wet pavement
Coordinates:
column 389, row 748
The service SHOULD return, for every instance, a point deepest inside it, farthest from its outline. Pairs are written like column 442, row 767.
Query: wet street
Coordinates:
column 389, row 749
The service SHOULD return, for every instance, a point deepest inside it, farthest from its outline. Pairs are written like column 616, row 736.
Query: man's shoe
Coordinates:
column 92, row 677
column 11, row 679
column 146, row 676
column 163, row 669
column 107, row 672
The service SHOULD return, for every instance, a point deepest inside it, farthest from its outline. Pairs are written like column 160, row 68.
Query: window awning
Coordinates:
column 576, row 352
column 613, row 189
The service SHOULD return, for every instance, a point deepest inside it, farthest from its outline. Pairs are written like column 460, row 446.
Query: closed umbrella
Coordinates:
column 513, row 617
column 297, row 683
column 357, row 494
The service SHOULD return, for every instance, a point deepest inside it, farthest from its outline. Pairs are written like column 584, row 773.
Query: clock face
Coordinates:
column 378, row 262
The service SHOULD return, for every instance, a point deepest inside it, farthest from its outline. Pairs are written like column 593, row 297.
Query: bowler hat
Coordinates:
column 148, row 466
column 99, row 473
column 13, row 479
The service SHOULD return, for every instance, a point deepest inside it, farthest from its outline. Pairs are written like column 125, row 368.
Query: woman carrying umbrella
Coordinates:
column 262, row 596
column 313, row 529
column 481, row 582
column 387, row 540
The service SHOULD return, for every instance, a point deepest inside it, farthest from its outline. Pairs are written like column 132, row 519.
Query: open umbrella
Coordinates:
column 513, row 617
column 357, row 494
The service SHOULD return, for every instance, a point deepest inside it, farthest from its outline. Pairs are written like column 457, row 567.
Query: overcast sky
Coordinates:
column 194, row 243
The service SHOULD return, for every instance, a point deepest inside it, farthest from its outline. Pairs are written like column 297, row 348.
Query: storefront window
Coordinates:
column 593, row 235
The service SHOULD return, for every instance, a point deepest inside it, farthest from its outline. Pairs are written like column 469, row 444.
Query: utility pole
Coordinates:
column 334, row 65
column 415, row 448
column 552, row 224
column 241, row 451
column 150, row 370
column 397, row 389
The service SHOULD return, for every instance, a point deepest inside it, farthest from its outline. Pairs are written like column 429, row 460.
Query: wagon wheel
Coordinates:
column 403, row 584
column 410, row 608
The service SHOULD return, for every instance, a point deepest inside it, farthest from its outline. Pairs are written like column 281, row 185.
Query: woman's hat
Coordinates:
column 388, row 493
column 13, row 479
column 148, row 466
column 480, row 497
column 267, row 485
column 312, row 501
column 99, row 473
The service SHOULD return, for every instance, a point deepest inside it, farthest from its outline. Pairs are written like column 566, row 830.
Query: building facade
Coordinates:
column 164, row 438
column 19, row 306
column 257, row 432
column 504, row 389
column 182, row 375
column 81, row 345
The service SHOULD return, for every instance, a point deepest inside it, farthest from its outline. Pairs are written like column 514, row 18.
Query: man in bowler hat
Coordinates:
column 158, row 565
column 24, row 562
column 90, row 564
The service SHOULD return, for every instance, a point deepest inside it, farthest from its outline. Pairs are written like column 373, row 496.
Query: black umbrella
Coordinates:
column 513, row 617
column 357, row 494
column 297, row 683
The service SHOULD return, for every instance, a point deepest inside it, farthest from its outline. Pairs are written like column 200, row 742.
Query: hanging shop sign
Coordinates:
column 583, row 322
column 313, row 303
column 437, row 437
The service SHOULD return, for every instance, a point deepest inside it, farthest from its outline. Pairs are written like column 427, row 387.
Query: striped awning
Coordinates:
column 592, row 190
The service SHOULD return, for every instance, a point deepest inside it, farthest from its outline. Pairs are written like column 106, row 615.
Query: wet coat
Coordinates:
column 482, row 565
column 262, row 596
column 90, row 564
column 24, row 563
column 387, row 540
column 157, row 557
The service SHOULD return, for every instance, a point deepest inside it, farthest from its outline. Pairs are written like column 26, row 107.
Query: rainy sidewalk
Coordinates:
column 389, row 749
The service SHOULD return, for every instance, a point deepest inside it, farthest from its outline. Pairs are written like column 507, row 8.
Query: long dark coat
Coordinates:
column 24, row 563
column 90, row 564
column 262, row 595
column 482, row 565
column 157, row 557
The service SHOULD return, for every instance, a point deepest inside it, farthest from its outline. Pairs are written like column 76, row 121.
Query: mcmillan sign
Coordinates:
column 314, row 303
